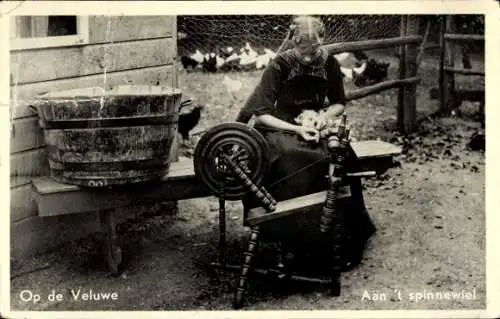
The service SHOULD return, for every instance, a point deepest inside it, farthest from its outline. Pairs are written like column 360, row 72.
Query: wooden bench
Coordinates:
column 54, row 198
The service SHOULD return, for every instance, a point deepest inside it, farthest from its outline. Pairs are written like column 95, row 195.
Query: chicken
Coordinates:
column 249, row 50
column 192, row 61
column 351, row 73
column 219, row 61
column 226, row 52
column 351, row 59
column 187, row 121
column 197, row 56
column 346, row 72
column 210, row 63
column 373, row 72
column 188, row 62
column 247, row 59
column 477, row 141
column 264, row 59
column 270, row 53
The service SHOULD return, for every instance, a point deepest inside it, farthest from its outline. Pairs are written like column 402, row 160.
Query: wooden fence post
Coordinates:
column 409, row 95
column 447, row 59
column 402, row 75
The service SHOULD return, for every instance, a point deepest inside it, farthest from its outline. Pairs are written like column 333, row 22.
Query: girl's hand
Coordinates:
column 308, row 134
column 321, row 121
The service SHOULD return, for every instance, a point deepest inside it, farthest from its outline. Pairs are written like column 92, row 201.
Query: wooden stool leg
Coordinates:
column 113, row 252
column 239, row 295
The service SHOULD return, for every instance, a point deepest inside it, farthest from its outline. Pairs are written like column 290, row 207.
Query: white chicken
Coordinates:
column 345, row 59
column 220, row 61
column 263, row 60
column 349, row 64
column 351, row 59
column 226, row 52
column 270, row 53
column 250, row 51
column 347, row 72
column 198, row 56
column 232, row 57
column 248, row 55
column 361, row 69
column 247, row 59
column 351, row 72
column 181, row 35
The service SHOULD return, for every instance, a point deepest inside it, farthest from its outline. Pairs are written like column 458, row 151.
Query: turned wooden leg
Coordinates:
column 222, row 228
column 112, row 251
column 241, row 286
column 338, row 237
column 281, row 267
column 334, row 286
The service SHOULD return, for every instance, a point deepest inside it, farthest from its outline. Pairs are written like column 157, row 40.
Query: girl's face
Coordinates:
column 306, row 49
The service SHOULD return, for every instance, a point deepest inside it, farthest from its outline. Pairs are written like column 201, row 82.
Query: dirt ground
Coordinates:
column 429, row 212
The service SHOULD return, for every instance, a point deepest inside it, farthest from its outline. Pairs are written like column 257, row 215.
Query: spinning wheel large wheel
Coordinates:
column 244, row 144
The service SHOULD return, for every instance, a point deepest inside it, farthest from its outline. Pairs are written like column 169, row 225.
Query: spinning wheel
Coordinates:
column 230, row 161
column 245, row 146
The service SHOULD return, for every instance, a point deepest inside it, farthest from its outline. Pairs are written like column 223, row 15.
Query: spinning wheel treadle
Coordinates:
column 244, row 144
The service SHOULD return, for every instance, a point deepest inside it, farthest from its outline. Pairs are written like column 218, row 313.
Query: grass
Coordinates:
column 430, row 215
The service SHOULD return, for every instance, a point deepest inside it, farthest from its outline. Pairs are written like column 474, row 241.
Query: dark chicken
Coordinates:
column 187, row 121
column 375, row 72
column 210, row 63
column 477, row 141
column 188, row 62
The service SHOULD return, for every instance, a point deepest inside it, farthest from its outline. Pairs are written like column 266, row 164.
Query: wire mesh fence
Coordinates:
column 235, row 43
column 226, row 89
column 209, row 33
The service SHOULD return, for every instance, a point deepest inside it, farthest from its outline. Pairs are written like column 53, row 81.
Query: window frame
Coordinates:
column 81, row 38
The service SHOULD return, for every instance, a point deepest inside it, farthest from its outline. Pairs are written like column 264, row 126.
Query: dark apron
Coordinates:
column 299, row 168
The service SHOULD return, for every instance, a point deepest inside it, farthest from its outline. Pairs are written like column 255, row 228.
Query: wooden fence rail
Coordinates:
column 335, row 48
column 408, row 65
column 379, row 87
column 463, row 37
column 450, row 97
column 463, row 71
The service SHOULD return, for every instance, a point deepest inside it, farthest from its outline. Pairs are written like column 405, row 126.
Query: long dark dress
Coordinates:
column 297, row 167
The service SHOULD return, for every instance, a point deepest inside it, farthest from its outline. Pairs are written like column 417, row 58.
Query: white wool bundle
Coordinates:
column 309, row 118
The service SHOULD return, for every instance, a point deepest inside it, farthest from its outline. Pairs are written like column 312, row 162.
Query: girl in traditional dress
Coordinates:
column 301, row 78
